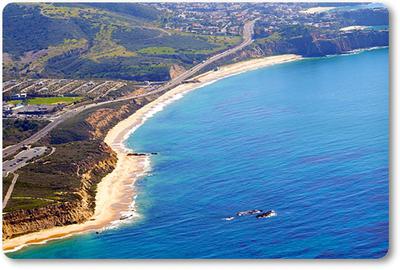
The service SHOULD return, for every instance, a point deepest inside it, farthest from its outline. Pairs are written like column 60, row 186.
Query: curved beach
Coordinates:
column 115, row 193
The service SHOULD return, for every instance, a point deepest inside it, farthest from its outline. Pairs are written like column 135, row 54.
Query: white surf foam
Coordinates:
column 357, row 51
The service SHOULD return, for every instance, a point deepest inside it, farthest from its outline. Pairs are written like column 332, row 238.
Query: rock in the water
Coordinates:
column 267, row 214
column 248, row 212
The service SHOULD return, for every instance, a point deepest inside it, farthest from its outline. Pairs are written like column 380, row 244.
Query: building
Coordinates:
column 38, row 109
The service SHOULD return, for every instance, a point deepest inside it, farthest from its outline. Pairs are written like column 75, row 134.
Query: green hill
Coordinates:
column 97, row 40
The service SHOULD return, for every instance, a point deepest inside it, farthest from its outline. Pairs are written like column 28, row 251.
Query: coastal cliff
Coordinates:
column 71, row 174
column 101, row 120
column 310, row 45
column 317, row 46
column 77, row 210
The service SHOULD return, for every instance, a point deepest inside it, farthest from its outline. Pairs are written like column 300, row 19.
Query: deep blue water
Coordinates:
column 308, row 139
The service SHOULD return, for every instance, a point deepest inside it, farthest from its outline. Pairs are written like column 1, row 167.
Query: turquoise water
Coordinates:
column 308, row 139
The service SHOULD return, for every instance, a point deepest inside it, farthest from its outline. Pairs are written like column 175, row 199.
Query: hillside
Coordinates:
column 97, row 40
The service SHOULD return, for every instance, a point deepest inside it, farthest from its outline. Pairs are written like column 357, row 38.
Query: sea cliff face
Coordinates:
column 310, row 46
column 101, row 120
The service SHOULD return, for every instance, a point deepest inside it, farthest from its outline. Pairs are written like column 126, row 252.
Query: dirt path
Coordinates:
column 10, row 190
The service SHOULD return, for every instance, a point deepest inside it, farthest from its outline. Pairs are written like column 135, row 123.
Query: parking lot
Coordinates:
column 22, row 158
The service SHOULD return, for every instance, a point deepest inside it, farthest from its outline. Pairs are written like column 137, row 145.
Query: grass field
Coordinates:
column 48, row 100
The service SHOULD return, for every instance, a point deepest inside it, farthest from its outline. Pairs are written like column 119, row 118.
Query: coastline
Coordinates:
column 115, row 193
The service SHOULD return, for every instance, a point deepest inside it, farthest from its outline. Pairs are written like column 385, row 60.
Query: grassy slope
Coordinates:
column 100, row 40
column 22, row 34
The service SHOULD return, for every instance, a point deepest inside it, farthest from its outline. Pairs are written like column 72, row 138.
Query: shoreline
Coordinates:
column 115, row 197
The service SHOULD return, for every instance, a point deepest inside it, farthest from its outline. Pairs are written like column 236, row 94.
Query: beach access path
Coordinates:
column 10, row 190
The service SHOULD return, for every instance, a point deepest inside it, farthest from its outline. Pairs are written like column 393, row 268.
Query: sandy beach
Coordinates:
column 115, row 193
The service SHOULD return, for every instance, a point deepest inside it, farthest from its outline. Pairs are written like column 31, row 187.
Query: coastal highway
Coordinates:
column 247, row 40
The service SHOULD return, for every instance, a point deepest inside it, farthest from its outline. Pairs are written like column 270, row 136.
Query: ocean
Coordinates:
column 308, row 139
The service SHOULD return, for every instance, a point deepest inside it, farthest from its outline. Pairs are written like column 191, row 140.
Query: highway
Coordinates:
column 247, row 40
